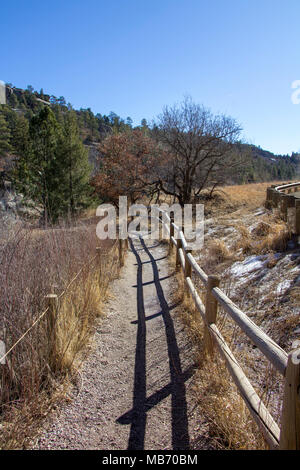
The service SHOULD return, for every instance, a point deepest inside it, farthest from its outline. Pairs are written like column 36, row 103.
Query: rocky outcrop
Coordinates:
column 13, row 206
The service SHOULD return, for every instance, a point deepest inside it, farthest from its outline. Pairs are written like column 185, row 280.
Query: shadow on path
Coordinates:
column 180, row 435
column 137, row 416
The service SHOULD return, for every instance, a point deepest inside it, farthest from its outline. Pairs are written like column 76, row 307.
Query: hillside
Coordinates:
column 257, row 164
column 265, row 166
column 22, row 105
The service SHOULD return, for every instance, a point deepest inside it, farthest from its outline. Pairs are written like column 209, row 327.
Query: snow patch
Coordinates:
column 249, row 265
column 259, row 212
column 283, row 286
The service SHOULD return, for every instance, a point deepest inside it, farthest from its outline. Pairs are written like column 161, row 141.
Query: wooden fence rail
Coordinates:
column 288, row 437
column 282, row 198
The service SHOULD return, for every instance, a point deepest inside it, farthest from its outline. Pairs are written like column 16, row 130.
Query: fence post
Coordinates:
column 290, row 418
column 52, row 301
column 179, row 245
column 290, row 212
column 283, row 206
column 211, row 311
column 276, row 196
column 171, row 234
column 160, row 226
column 98, row 251
column 268, row 202
column 272, row 198
column 3, row 347
column 55, row 288
column 297, row 216
column 121, row 253
column 187, row 270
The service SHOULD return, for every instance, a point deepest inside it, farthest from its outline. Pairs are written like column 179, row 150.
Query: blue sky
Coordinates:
column 238, row 57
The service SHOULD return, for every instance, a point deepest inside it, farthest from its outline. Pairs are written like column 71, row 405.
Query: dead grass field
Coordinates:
column 35, row 263
column 239, row 197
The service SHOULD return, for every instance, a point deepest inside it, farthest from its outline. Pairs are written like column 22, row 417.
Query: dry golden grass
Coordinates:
column 264, row 238
column 39, row 368
column 230, row 423
column 79, row 309
column 218, row 251
column 248, row 195
column 241, row 199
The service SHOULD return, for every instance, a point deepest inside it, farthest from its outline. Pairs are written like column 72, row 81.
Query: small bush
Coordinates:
column 262, row 229
column 218, row 251
column 264, row 238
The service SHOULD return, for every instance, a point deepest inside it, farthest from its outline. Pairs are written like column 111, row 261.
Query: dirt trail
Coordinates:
column 136, row 386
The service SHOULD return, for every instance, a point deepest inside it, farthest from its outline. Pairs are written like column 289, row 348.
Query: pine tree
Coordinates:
column 20, row 134
column 19, row 130
column 54, row 170
column 4, row 136
column 13, row 100
column 37, row 172
column 77, row 170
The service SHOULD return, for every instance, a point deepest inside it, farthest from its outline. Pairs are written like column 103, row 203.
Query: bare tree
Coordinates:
column 199, row 148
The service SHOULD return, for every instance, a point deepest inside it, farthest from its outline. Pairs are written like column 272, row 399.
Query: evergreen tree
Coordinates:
column 75, row 166
column 53, row 169
column 37, row 172
column 19, row 130
column 20, row 134
column 4, row 135
column 13, row 100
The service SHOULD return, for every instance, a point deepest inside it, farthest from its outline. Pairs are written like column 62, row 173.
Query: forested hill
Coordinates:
column 22, row 105
column 93, row 127
column 262, row 165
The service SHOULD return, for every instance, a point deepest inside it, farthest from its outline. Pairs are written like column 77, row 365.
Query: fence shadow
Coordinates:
column 180, row 435
column 137, row 416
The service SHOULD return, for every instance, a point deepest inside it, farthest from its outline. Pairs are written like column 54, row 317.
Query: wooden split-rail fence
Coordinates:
column 285, row 437
column 286, row 198
column 288, row 364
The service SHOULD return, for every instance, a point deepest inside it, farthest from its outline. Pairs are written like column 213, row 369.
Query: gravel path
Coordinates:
column 136, row 386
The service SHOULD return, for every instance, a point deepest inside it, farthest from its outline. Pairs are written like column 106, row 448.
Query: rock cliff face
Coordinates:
column 12, row 205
